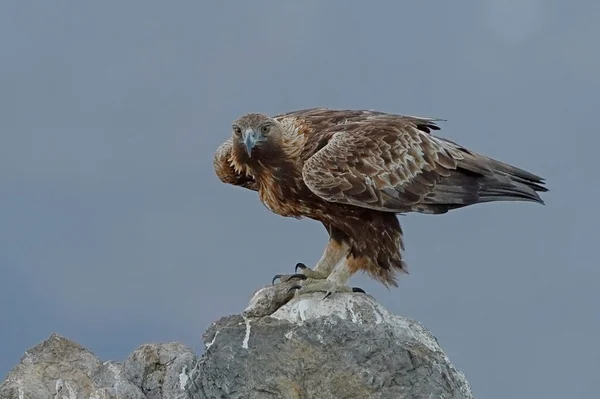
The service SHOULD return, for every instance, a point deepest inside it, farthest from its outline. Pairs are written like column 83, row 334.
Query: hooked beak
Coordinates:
column 250, row 138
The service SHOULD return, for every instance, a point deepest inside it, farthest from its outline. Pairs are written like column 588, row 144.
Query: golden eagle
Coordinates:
column 354, row 170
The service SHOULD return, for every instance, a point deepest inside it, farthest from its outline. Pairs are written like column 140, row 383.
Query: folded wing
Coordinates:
column 393, row 164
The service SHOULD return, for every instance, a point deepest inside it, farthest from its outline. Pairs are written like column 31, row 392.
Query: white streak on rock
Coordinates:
column 378, row 317
column 354, row 318
column 212, row 342
column 303, row 306
column 183, row 378
column 247, row 337
column 59, row 385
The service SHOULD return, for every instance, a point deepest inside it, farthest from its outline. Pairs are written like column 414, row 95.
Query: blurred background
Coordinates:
column 114, row 230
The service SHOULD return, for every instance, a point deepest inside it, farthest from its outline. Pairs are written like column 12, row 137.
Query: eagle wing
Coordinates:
column 225, row 170
column 391, row 163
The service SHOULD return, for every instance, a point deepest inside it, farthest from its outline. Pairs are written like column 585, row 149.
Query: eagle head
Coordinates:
column 255, row 132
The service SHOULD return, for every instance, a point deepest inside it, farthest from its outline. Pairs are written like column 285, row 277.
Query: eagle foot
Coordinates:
column 326, row 286
column 316, row 274
column 283, row 278
column 305, row 272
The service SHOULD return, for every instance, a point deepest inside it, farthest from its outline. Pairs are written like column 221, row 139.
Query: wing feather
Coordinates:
column 383, row 163
column 392, row 163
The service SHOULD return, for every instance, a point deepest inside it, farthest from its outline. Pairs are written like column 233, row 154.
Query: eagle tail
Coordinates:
column 479, row 179
column 506, row 189
column 508, row 183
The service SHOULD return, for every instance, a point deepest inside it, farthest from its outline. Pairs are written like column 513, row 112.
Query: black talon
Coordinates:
column 295, row 287
column 275, row 278
column 356, row 289
column 300, row 266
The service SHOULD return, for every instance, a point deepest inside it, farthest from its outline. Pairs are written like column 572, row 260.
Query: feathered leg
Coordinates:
column 335, row 282
column 334, row 252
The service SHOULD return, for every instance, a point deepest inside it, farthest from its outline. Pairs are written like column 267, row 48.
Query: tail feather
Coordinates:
column 516, row 175
column 497, row 189
column 479, row 179
column 509, row 183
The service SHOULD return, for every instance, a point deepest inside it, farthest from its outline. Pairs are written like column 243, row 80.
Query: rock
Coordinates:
column 267, row 300
column 59, row 368
column 161, row 370
column 347, row 346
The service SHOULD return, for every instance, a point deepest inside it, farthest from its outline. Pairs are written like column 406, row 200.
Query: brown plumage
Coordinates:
column 354, row 170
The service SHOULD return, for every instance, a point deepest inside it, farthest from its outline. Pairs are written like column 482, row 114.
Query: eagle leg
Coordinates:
column 334, row 252
column 335, row 282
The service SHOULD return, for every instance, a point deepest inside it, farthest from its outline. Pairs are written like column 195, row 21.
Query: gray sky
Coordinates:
column 114, row 230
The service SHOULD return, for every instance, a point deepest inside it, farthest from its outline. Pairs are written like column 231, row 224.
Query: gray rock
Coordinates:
column 161, row 370
column 347, row 346
column 59, row 368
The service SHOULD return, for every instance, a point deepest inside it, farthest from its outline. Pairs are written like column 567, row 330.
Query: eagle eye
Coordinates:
column 237, row 129
column 264, row 129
